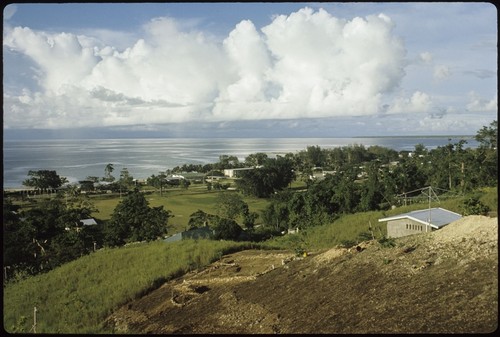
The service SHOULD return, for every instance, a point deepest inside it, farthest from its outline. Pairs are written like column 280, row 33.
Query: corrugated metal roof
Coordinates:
column 437, row 217
column 88, row 222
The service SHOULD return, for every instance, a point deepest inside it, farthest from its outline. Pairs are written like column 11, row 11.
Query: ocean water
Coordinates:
column 77, row 159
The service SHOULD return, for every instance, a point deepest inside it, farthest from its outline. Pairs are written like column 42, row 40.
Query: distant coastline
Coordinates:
column 77, row 159
column 416, row 136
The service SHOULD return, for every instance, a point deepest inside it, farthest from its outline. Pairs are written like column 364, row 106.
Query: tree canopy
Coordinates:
column 275, row 175
column 488, row 135
column 133, row 220
column 44, row 179
column 227, row 229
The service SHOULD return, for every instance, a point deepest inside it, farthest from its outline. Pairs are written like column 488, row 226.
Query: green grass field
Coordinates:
column 182, row 203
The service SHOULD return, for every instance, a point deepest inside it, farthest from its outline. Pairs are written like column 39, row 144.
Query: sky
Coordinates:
column 309, row 69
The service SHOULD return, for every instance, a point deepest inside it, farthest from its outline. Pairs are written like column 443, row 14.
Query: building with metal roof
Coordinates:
column 425, row 220
column 88, row 222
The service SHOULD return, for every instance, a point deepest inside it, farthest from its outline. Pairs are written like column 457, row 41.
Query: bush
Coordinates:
column 473, row 206
column 387, row 242
column 347, row 243
column 227, row 229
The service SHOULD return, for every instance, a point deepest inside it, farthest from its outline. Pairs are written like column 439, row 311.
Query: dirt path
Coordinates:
column 440, row 282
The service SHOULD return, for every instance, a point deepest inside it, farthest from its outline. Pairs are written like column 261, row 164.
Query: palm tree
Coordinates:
column 107, row 173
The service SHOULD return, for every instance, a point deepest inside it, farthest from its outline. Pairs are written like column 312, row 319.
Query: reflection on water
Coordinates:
column 80, row 158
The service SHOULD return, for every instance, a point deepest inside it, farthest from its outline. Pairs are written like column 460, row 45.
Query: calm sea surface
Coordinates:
column 78, row 159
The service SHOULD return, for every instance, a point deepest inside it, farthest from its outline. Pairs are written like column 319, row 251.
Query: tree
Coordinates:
column 256, row 159
column 126, row 180
column 226, row 229
column 371, row 189
column 255, row 182
column 488, row 136
column 107, row 173
column 346, row 192
column 133, row 220
column 86, row 185
column 158, row 181
column 484, row 167
column 74, row 200
column 448, row 166
column 44, row 179
column 226, row 161
column 275, row 216
column 249, row 217
column 473, row 206
column 184, row 183
column 36, row 238
column 230, row 205
column 315, row 156
column 198, row 219
column 93, row 179
column 161, row 180
column 408, row 175
column 19, row 248
column 275, row 175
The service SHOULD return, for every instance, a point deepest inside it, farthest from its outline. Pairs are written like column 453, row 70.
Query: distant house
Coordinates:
column 319, row 174
column 235, row 172
column 193, row 233
column 211, row 179
column 425, row 220
column 83, row 223
column 174, row 179
column 88, row 222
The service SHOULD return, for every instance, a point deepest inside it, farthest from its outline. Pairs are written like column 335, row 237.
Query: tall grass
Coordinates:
column 76, row 297
column 355, row 227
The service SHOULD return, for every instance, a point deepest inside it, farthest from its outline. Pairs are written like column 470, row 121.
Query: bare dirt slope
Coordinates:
column 440, row 282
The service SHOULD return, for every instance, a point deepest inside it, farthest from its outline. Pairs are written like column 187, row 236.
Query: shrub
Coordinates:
column 473, row 206
column 347, row 243
column 227, row 229
column 386, row 242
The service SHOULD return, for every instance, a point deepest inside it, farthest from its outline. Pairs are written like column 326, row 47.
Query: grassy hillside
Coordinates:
column 76, row 297
column 355, row 227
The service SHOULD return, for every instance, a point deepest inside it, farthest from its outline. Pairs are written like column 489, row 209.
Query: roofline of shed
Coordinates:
column 409, row 217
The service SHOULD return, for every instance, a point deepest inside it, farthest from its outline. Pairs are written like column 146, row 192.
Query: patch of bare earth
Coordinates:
column 440, row 282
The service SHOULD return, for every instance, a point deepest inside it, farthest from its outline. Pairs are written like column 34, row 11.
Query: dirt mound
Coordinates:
column 440, row 282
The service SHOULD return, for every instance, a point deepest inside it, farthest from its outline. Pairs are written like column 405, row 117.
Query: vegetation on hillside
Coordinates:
column 75, row 297
column 334, row 197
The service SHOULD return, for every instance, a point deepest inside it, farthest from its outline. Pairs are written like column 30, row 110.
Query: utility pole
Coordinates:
column 5, row 271
column 162, row 177
column 34, row 320
column 429, row 220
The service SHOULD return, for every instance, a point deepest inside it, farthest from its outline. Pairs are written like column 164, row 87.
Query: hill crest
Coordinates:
column 440, row 282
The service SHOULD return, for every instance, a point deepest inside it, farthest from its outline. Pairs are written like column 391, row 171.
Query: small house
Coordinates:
column 88, row 222
column 83, row 223
column 425, row 220
column 236, row 172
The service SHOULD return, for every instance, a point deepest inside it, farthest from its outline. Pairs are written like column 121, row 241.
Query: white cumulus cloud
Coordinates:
column 305, row 64
column 419, row 102
column 480, row 104
column 441, row 72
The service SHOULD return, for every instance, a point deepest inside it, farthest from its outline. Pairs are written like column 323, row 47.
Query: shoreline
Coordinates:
column 145, row 158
